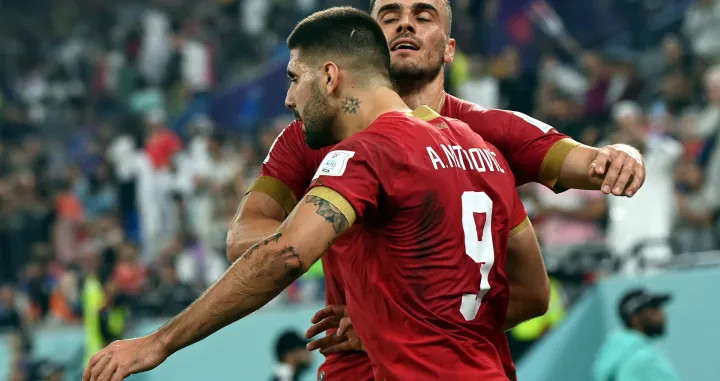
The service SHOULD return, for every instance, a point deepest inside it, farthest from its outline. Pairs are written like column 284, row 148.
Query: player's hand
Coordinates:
column 619, row 169
column 343, row 340
column 122, row 358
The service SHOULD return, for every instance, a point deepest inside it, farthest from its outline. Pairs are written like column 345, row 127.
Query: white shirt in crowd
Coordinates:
column 254, row 16
column 650, row 214
column 702, row 28
column 196, row 66
column 483, row 91
column 156, row 48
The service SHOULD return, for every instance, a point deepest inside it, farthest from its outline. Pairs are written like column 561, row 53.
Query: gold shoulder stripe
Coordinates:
column 520, row 227
column 425, row 113
column 554, row 159
column 337, row 200
column 275, row 189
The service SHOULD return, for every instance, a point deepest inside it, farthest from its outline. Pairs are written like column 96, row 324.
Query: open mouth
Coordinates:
column 405, row 44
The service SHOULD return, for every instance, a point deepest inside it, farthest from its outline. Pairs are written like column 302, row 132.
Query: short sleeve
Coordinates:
column 285, row 173
column 351, row 170
column 534, row 150
column 537, row 149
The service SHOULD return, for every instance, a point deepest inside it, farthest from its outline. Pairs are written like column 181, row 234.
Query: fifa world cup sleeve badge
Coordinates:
column 321, row 376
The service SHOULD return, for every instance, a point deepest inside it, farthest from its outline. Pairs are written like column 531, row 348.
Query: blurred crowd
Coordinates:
column 111, row 169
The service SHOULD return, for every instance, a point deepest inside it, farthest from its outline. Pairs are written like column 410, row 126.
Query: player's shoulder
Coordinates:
column 290, row 144
column 474, row 114
column 293, row 133
column 389, row 126
column 295, row 128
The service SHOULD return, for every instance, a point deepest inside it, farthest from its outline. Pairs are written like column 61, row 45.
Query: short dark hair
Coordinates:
column 343, row 32
column 288, row 341
column 446, row 5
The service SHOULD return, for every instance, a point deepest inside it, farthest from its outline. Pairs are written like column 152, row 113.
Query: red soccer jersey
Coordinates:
column 424, row 280
column 534, row 154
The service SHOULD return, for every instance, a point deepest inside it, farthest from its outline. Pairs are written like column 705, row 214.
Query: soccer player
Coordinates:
column 432, row 205
column 418, row 35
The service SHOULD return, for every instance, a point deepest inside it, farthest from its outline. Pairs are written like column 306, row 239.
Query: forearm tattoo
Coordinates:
column 287, row 256
column 331, row 214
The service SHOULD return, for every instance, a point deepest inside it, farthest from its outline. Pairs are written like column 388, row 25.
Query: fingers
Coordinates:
column 99, row 367
column 622, row 171
column 611, row 176
column 626, row 173
column 325, row 342
column 107, row 371
column 638, row 178
column 120, row 374
column 322, row 326
column 345, row 324
column 345, row 346
column 602, row 161
column 331, row 310
column 91, row 364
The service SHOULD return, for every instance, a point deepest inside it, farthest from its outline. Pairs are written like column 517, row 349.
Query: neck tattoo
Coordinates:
column 350, row 105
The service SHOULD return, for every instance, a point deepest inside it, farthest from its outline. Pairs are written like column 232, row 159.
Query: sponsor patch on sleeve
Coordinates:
column 334, row 163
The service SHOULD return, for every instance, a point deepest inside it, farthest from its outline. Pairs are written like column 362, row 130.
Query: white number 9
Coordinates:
column 482, row 252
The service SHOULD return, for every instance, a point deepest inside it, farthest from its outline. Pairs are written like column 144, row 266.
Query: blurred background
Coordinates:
column 130, row 129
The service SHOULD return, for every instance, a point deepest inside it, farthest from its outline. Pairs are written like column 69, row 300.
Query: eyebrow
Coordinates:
column 415, row 7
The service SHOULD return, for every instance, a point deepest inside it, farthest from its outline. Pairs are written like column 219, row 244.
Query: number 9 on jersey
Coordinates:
column 482, row 252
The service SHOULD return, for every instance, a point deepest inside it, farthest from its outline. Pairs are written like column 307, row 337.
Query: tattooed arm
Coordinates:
column 262, row 272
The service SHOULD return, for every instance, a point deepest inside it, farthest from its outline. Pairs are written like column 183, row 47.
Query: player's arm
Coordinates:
column 527, row 277
column 618, row 169
column 283, row 179
column 566, row 164
column 258, row 216
column 537, row 152
column 264, row 270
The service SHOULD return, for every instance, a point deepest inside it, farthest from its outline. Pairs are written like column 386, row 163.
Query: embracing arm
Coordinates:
column 257, row 217
column 528, row 280
column 262, row 272
column 618, row 169
column 537, row 152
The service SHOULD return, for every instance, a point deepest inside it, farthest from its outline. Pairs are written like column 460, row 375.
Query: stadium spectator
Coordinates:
column 292, row 357
column 702, row 26
column 655, row 210
column 629, row 354
column 480, row 88
column 568, row 220
column 10, row 318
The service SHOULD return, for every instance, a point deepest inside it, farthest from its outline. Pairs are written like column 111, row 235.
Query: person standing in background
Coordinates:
column 629, row 354
column 292, row 357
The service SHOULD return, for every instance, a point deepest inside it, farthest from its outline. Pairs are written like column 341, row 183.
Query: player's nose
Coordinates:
column 406, row 24
column 289, row 101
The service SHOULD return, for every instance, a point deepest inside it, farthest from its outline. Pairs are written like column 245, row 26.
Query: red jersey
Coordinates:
column 533, row 151
column 425, row 282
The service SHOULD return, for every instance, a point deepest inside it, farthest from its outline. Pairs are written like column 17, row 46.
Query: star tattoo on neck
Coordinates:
column 350, row 105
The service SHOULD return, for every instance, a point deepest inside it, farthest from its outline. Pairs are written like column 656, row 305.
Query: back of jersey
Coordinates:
column 425, row 285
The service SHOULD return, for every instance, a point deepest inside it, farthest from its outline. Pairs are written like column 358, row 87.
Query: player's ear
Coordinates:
column 331, row 77
column 449, row 53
